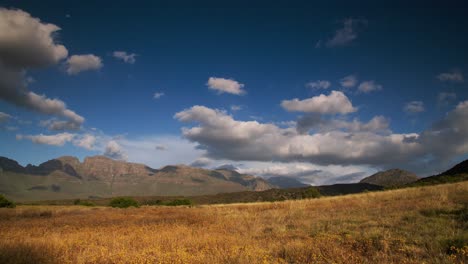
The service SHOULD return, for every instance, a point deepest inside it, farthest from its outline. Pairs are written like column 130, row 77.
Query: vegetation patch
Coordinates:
column 5, row 203
column 123, row 202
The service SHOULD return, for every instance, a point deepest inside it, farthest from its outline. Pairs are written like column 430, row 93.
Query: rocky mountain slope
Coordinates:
column 99, row 176
column 391, row 178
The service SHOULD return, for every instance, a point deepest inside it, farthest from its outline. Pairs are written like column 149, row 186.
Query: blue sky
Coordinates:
column 408, row 64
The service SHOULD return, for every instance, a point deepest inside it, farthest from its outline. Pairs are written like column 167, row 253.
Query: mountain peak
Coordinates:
column 391, row 178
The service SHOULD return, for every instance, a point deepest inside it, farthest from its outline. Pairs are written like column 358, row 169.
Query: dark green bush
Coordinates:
column 4, row 202
column 154, row 202
column 178, row 202
column 123, row 202
column 311, row 192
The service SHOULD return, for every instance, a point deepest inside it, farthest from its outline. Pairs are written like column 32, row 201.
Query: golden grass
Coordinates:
column 416, row 225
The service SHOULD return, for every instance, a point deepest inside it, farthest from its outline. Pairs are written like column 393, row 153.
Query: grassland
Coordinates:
column 413, row 225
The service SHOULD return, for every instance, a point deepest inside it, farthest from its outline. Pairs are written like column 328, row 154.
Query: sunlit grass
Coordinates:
column 415, row 225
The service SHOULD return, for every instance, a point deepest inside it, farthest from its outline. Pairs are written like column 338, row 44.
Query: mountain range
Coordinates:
column 99, row 176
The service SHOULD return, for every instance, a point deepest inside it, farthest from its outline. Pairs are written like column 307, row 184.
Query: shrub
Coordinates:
column 4, row 202
column 311, row 192
column 178, row 202
column 123, row 202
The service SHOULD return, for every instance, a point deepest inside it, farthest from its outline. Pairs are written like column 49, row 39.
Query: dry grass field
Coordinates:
column 414, row 225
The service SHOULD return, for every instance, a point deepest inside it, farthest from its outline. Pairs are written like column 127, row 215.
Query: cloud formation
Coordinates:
column 27, row 43
column 444, row 98
column 54, row 140
column 349, row 81
column 414, row 107
column 349, row 143
column 334, row 103
column 124, row 56
column 455, row 76
column 114, row 150
column 346, row 34
column 222, row 85
column 80, row 63
column 320, row 84
column 369, row 86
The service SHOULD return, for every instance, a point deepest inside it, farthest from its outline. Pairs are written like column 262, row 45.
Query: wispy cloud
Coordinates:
column 455, row 76
column 129, row 58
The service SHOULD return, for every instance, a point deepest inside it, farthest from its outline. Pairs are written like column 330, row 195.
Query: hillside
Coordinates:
column 66, row 177
column 391, row 178
column 457, row 173
column 413, row 225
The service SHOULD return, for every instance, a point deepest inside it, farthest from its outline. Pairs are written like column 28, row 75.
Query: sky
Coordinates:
column 325, row 93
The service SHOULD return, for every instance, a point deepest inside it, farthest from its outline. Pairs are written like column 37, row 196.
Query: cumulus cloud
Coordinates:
column 124, row 56
column 223, row 137
column 114, row 150
column 346, row 34
column 369, row 86
column 414, row 107
column 320, row 84
column 60, row 125
column 451, row 76
column 79, row 63
column 223, row 85
column 4, row 117
column 54, row 140
column 349, row 81
column 158, row 95
column 315, row 122
column 86, row 141
column 334, row 103
column 25, row 43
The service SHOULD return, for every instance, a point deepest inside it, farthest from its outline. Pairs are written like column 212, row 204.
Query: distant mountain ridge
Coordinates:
column 391, row 178
column 99, row 176
column 457, row 173
column 284, row 182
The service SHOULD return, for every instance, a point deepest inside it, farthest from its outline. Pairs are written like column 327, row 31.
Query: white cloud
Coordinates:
column 223, row 85
column 114, row 150
column 54, row 140
column 60, row 125
column 377, row 124
column 349, row 143
column 158, row 95
column 225, row 138
column 79, row 63
column 369, row 86
column 451, row 76
column 4, row 117
column 320, row 84
column 348, row 33
column 86, row 141
column 124, row 56
column 25, row 43
column 414, row 107
column 349, row 81
column 335, row 103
